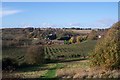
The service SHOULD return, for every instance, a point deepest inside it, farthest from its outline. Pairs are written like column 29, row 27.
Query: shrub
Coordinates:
column 78, row 39
column 72, row 40
column 107, row 51
column 66, row 42
column 9, row 64
column 35, row 55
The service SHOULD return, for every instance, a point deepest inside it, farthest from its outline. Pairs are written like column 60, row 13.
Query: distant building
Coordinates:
column 35, row 38
column 99, row 36
column 52, row 36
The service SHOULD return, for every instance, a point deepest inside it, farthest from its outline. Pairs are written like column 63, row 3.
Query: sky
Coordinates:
column 59, row 14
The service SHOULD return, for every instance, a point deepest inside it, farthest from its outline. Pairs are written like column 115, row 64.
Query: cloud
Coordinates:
column 103, row 23
column 9, row 12
column 106, row 21
column 72, row 25
column 48, row 25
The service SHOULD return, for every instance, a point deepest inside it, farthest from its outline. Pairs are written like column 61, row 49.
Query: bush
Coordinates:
column 78, row 39
column 66, row 42
column 107, row 51
column 35, row 55
column 72, row 40
column 9, row 64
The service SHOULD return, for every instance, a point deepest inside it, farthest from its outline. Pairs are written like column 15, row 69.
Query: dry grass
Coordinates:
column 81, row 73
column 72, row 71
column 72, row 68
column 33, row 74
column 67, row 72
column 81, row 31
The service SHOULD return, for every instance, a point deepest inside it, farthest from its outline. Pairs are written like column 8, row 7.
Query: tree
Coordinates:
column 9, row 64
column 92, row 35
column 107, row 51
column 72, row 40
column 35, row 55
column 78, row 39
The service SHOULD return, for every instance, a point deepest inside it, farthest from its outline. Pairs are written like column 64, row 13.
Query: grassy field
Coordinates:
column 71, row 51
column 71, row 68
column 71, row 55
column 17, row 53
column 51, row 70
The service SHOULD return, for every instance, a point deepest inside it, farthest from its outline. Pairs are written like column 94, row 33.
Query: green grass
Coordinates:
column 14, row 52
column 51, row 73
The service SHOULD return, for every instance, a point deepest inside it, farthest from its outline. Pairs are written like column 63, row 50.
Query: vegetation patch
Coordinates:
column 71, row 51
column 107, row 50
column 51, row 73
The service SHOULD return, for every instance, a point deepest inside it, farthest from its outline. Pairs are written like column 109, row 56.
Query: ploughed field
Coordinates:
column 78, row 50
column 54, row 52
